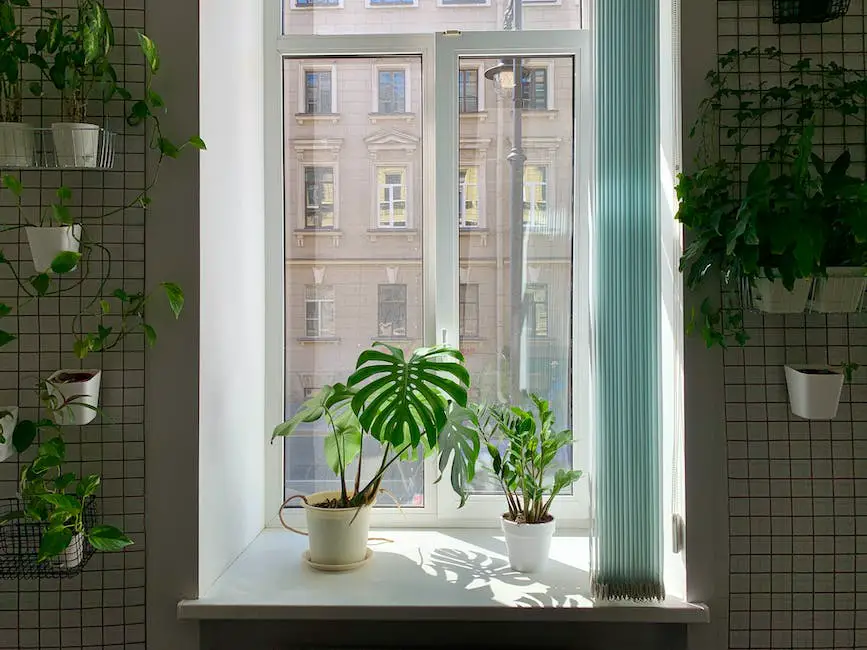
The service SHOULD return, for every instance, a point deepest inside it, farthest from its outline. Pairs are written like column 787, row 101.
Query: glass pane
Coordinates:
column 347, row 177
column 306, row 17
column 516, row 280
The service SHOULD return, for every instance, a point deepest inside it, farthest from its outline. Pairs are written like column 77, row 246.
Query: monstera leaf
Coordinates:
column 344, row 445
column 459, row 443
column 329, row 397
column 399, row 400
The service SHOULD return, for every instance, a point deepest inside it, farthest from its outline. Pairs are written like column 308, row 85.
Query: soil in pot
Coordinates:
column 73, row 377
column 817, row 371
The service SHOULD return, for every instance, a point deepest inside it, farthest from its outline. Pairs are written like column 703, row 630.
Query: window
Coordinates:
column 469, row 308
column 468, row 197
column 537, row 319
column 392, row 91
column 392, row 310
column 468, row 90
column 534, row 87
column 318, row 4
column 391, row 182
column 319, row 304
column 535, row 196
column 464, row 3
column 319, row 197
column 392, row 3
column 317, row 92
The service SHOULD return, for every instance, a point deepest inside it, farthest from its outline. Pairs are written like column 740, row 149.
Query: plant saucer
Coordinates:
column 336, row 568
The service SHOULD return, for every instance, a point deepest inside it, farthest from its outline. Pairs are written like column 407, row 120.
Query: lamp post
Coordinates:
column 507, row 76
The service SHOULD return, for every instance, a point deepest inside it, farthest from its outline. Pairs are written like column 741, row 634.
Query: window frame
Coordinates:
column 462, row 210
column 319, row 301
column 303, row 167
column 293, row 6
column 407, row 100
column 462, row 309
column 302, row 87
column 444, row 4
column 379, row 305
column 549, row 91
column 480, row 89
column 546, row 184
column 371, row 4
column 440, row 158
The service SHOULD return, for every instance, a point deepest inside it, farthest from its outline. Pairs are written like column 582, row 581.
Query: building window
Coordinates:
column 535, row 196
column 392, row 3
column 391, row 183
column 319, row 306
column 534, row 88
column 468, row 90
column 310, row 4
column 391, row 86
column 537, row 320
column 468, row 197
column 469, row 310
column 318, row 92
column 392, row 310
column 318, row 197
column 464, row 3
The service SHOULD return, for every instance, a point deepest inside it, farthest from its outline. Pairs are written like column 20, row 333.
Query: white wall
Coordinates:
column 232, row 355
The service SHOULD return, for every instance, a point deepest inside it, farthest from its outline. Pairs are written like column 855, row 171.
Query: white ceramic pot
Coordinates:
column 73, row 555
column 8, row 423
column 814, row 391
column 79, row 390
column 841, row 291
column 338, row 536
column 17, row 145
column 771, row 297
column 47, row 243
column 75, row 144
column 529, row 544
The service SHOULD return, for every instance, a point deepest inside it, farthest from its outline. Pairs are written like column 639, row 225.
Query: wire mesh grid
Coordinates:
column 809, row 11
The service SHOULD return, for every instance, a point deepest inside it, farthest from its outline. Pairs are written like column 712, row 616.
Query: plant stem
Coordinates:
column 344, row 498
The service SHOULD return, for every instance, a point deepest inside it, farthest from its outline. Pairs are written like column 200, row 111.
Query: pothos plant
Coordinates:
column 15, row 53
column 400, row 403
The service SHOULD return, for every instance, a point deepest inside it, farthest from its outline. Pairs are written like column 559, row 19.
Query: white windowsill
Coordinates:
column 421, row 575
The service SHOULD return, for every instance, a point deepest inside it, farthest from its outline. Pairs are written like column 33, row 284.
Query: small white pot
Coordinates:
column 73, row 555
column 8, row 424
column 82, row 396
column 337, row 536
column 529, row 544
column 75, row 144
column 841, row 291
column 814, row 391
column 47, row 243
column 771, row 297
column 17, row 145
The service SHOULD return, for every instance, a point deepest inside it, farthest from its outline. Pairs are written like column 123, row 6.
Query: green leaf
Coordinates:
column 24, row 435
column 6, row 338
column 81, row 348
column 40, row 283
column 121, row 295
column 62, row 482
column 65, row 503
column 7, row 18
column 168, row 148
column 176, row 297
column 155, row 99
column 54, row 542
column 197, row 142
column 87, row 486
column 104, row 306
column 64, row 193
column 61, row 213
column 151, row 52
column 344, row 443
column 107, row 539
column 138, row 113
column 331, row 397
column 65, row 262
column 459, row 443
column 13, row 184
column 150, row 334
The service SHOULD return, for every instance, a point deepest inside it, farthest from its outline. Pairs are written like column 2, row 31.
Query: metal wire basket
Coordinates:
column 19, row 547
column 809, row 11
column 62, row 146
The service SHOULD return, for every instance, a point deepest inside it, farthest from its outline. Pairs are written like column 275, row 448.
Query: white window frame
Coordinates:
column 379, row 196
column 532, row 225
column 302, row 87
column 407, row 74
column 319, row 301
column 302, row 204
column 440, row 162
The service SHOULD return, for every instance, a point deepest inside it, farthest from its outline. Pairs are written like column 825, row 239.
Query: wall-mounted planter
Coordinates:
column 76, row 144
column 771, row 297
column 75, row 394
column 17, row 145
column 47, row 243
column 7, row 426
column 809, row 11
column 840, row 292
column 814, row 391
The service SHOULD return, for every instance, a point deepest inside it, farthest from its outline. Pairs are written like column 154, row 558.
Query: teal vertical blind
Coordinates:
column 628, row 558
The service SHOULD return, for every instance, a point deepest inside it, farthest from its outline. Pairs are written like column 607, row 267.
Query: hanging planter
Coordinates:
column 49, row 242
column 841, row 291
column 814, row 391
column 772, row 297
column 809, row 11
column 73, row 396
column 8, row 420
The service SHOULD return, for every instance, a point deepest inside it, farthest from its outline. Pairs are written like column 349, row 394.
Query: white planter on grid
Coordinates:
column 841, row 291
column 17, row 145
column 79, row 391
column 49, row 242
column 76, row 144
column 771, row 297
column 528, row 544
column 7, row 423
column 337, row 536
column 814, row 391
column 73, row 555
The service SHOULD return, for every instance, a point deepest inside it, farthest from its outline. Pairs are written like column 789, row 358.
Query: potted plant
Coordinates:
column 523, row 446
column 8, row 420
column 814, row 390
column 16, row 137
column 72, row 396
column 55, row 242
column 397, row 402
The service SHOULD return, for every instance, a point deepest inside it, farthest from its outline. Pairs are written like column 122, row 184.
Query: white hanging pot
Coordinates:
column 76, row 144
column 79, row 391
column 337, row 536
column 841, row 291
column 814, row 391
column 771, row 297
column 528, row 544
column 8, row 422
column 17, row 145
column 47, row 243
column 73, row 555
